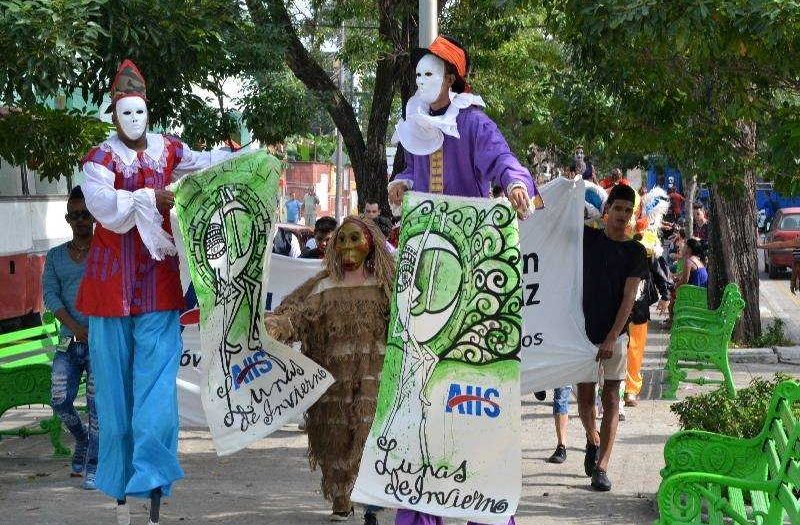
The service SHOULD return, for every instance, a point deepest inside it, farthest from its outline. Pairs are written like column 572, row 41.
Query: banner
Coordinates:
column 252, row 384
column 445, row 439
column 555, row 349
column 286, row 274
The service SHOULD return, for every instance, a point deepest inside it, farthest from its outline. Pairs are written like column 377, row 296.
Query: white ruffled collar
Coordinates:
column 422, row 133
column 155, row 148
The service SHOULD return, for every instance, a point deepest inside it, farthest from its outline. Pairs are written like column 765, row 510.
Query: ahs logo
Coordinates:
column 473, row 401
column 253, row 366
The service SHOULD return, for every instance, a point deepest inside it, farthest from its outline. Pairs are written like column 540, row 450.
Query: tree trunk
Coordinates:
column 367, row 157
column 405, row 81
column 732, row 241
column 690, row 193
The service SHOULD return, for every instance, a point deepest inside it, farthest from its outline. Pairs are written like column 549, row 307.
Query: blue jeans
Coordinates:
column 561, row 400
column 68, row 368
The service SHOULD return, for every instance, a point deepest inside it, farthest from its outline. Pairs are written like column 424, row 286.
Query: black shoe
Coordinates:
column 600, row 481
column 540, row 395
column 370, row 518
column 559, row 456
column 590, row 460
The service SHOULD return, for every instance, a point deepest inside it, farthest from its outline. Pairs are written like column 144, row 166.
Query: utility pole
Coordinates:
column 428, row 22
column 339, row 141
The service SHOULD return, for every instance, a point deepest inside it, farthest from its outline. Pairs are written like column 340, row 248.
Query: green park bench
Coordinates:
column 25, row 370
column 716, row 479
column 699, row 340
column 690, row 295
column 691, row 303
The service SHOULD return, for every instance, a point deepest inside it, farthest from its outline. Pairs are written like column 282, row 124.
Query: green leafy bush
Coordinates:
column 742, row 416
column 774, row 335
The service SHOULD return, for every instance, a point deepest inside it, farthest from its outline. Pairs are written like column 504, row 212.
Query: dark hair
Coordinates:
column 371, row 201
column 325, row 225
column 76, row 194
column 621, row 192
column 698, row 250
column 573, row 166
column 587, row 173
column 496, row 191
column 384, row 224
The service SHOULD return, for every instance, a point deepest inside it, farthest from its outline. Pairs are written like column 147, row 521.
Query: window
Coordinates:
column 790, row 223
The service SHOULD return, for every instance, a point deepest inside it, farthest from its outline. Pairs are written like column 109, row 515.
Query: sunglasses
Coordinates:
column 77, row 215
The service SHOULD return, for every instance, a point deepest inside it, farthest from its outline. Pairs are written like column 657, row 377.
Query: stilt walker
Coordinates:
column 453, row 148
column 132, row 294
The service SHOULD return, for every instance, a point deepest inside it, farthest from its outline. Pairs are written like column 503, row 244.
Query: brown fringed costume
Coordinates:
column 343, row 328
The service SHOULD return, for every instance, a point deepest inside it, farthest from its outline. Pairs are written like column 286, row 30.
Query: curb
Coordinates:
column 788, row 354
column 765, row 356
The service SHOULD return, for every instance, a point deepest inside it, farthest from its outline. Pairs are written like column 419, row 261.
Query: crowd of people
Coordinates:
column 115, row 287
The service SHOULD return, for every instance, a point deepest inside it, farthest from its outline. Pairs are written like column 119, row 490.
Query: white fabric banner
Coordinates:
column 555, row 349
column 446, row 434
column 286, row 274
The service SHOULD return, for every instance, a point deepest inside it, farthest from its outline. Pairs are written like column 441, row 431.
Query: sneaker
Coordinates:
column 370, row 518
column 631, row 400
column 559, row 456
column 590, row 460
column 123, row 514
column 342, row 516
column 600, row 481
column 88, row 481
column 540, row 395
column 79, row 457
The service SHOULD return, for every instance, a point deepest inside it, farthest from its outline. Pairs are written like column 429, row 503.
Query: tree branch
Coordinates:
column 310, row 73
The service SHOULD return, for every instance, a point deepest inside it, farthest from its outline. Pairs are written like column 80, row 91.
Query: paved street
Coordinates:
column 270, row 483
column 778, row 301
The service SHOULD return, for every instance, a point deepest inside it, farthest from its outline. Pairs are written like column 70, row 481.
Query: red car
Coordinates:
column 785, row 225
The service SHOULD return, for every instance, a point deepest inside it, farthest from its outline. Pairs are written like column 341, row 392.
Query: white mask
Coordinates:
column 132, row 117
column 430, row 76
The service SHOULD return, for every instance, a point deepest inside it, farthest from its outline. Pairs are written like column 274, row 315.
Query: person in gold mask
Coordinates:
column 340, row 316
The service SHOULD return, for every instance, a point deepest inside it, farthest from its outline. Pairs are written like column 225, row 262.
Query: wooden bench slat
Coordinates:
column 793, row 472
column 29, row 333
column 736, row 499
column 35, row 359
column 715, row 517
column 28, row 347
column 760, row 503
column 789, row 503
column 786, row 414
column 773, row 460
column 778, row 436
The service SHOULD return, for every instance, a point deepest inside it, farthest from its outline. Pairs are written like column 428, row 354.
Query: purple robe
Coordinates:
column 480, row 158
column 412, row 517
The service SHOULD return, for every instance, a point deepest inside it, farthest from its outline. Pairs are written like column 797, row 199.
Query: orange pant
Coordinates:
column 637, row 339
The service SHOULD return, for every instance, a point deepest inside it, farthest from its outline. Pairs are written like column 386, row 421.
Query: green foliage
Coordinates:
column 203, row 125
column 691, row 82
column 742, row 416
column 774, row 335
column 54, row 141
column 316, row 148
column 46, row 44
column 277, row 106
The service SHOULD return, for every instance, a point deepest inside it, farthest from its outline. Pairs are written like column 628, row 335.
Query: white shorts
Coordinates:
column 615, row 368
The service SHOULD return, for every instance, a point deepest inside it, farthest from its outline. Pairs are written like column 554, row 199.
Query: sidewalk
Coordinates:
column 270, row 483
